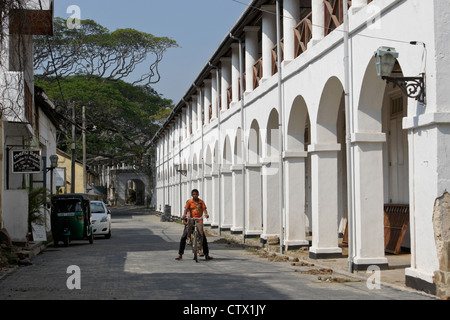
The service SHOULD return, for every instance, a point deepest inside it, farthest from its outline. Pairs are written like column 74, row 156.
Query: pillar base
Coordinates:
column 363, row 264
column 419, row 281
column 296, row 244
column 325, row 253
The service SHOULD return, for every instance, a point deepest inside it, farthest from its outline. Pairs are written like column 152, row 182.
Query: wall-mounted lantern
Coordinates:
column 413, row 87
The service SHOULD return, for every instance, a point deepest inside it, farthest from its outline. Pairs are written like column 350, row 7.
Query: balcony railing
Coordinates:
column 334, row 14
column 303, row 34
column 257, row 73
column 275, row 57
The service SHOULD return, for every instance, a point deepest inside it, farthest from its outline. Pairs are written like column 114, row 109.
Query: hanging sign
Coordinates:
column 26, row 161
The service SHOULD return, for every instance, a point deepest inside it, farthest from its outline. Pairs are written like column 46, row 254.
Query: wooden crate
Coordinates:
column 396, row 219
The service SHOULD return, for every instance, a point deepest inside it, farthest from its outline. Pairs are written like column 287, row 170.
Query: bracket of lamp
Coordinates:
column 413, row 87
column 183, row 172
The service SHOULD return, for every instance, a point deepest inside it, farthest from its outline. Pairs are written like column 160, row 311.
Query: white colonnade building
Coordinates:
column 314, row 142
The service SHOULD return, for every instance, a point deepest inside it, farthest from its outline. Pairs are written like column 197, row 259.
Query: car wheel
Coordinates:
column 107, row 236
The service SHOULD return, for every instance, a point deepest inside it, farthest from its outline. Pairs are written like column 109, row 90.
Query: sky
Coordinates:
column 198, row 26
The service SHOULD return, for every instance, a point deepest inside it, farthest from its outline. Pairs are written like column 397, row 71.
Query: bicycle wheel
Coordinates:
column 195, row 245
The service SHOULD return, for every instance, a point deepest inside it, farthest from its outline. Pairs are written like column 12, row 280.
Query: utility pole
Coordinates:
column 72, row 179
column 84, row 151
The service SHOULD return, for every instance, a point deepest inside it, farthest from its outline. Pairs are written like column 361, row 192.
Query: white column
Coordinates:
column 199, row 102
column 295, row 173
column 184, row 125
column 253, row 205
column 214, row 94
column 271, row 200
column 324, row 198
column 227, row 199
column 356, row 6
column 291, row 17
column 194, row 113
column 369, row 201
column 207, row 99
column 237, row 198
column 251, row 54
column 318, row 20
column 269, row 38
column 235, row 72
column 225, row 80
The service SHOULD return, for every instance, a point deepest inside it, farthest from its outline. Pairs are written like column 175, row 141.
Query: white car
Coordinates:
column 101, row 219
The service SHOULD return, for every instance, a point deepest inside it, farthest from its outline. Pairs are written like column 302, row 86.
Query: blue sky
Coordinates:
column 198, row 26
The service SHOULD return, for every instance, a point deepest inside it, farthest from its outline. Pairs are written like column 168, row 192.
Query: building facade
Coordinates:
column 290, row 131
column 27, row 120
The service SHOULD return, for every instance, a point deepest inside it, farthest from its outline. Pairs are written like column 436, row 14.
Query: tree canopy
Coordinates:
column 94, row 51
column 121, row 117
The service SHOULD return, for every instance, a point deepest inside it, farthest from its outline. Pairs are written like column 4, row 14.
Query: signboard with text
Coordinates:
column 26, row 161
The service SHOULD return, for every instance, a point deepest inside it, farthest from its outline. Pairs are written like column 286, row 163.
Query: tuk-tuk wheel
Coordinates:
column 66, row 241
column 91, row 239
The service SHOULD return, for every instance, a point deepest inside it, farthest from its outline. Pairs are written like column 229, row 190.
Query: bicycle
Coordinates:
column 195, row 238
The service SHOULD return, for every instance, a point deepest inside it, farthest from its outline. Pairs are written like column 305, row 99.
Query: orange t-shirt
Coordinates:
column 196, row 208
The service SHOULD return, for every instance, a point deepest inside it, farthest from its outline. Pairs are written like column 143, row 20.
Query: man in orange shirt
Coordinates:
column 196, row 207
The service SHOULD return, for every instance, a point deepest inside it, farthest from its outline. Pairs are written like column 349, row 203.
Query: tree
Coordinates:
column 94, row 51
column 121, row 117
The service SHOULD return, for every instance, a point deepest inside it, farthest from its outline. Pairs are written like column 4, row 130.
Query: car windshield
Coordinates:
column 97, row 207
column 67, row 205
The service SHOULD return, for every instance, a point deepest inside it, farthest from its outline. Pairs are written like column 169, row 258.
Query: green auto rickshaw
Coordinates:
column 71, row 218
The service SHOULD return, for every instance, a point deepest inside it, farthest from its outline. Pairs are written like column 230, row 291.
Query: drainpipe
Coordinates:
column 280, row 130
column 219, row 111
column 348, row 123
column 200, row 98
column 241, row 72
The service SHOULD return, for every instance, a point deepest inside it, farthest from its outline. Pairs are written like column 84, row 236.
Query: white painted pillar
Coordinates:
column 199, row 102
column 214, row 94
column 253, row 206
column 291, row 17
column 295, row 172
column 215, row 199
column 318, row 20
column 207, row 99
column 271, row 200
column 235, row 74
column 237, row 198
column 356, row 6
column 269, row 38
column 227, row 198
column 194, row 114
column 184, row 123
column 251, row 55
column 324, row 196
column 225, row 81
column 188, row 120
column 369, row 201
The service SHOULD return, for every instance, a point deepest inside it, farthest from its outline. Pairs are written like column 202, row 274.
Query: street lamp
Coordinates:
column 413, row 87
column 53, row 164
column 183, row 172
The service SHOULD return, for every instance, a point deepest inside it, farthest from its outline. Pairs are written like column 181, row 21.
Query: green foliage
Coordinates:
column 37, row 200
column 121, row 117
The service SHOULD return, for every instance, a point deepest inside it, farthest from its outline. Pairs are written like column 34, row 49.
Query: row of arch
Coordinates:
column 315, row 140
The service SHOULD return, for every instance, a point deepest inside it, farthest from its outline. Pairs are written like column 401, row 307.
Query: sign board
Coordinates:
column 39, row 233
column 26, row 161
column 60, row 177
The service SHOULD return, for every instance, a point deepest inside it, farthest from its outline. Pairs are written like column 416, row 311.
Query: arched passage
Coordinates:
column 325, row 151
column 253, row 214
column 296, row 167
column 270, row 179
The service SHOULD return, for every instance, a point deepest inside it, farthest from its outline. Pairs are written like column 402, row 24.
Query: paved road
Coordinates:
column 138, row 263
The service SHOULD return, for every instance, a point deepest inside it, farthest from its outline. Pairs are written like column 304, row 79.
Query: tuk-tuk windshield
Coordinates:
column 67, row 205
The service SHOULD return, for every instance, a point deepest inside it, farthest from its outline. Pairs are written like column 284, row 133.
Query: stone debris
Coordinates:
column 317, row 271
